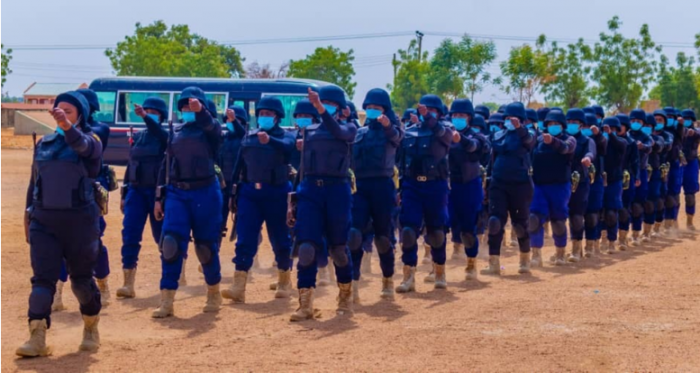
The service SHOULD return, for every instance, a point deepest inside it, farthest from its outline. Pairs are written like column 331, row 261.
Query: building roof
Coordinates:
column 51, row 89
column 25, row 106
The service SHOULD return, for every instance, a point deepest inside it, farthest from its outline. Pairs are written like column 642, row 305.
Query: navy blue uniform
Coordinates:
column 64, row 219
column 675, row 173
column 668, row 157
column 578, row 203
column 595, row 195
column 228, row 156
column 691, row 142
column 654, row 203
column 641, row 192
column 617, row 160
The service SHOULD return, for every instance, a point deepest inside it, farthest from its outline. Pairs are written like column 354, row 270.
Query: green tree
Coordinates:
column 155, row 50
column 676, row 86
column 566, row 82
column 328, row 64
column 6, row 57
column 459, row 68
column 623, row 67
column 525, row 70
column 411, row 79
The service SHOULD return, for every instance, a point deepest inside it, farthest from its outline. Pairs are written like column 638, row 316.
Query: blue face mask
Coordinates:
column 646, row 130
column 598, row 120
column 494, row 128
column 670, row 122
column 587, row 132
column 229, row 126
column 460, row 123
column 687, row 123
column 636, row 126
column 554, row 129
column 540, row 124
column 432, row 114
column 659, row 126
column 155, row 117
column 509, row 125
column 303, row 122
column 330, row 109
column 529, row 126
column 188, row 116
column 60, row 131
column 373, row 113
column 266, row 123
column 605, row 134
column 475, row 129
column 572, row 129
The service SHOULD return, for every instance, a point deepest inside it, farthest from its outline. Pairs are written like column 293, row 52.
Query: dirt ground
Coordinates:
column 634, row 311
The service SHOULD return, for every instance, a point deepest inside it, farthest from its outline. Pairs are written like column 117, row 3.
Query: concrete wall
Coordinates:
column 25, row 125
column 9, row 115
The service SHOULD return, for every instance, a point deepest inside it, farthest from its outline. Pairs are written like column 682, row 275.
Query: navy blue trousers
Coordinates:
column 424, row 202
column 465, row 205
column 138, row 208
column 504, row 200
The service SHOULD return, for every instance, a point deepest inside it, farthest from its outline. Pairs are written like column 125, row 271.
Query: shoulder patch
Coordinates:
column 96, row 137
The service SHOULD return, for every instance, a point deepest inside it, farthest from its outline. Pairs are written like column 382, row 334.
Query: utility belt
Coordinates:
column 259, row 186
column 626, row 179
column 321, row 182
column 575, row 180
column 191, row 185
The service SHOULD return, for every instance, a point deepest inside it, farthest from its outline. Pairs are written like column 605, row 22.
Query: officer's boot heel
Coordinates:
column 366, row 266
column 183, row 274
column 409, row 280
column 440, row 277
column 105, row 294
column 213, row 299
column 236, row 292
column 471, row 273
column 284, row 284
column 689, row 222
column 91, row 335
column 622, row 240
column 306, row 309
column 356, row 292
column 345, row 306
column 458, row 251
column 536, row 261
column 36, row 345
column 575, row 251
column 166, row 308
column 387, row 288
column 323, row 276
column 58, row 298
column 128, row 291
column 524, row 267
column 494, row 268
column 430, row 278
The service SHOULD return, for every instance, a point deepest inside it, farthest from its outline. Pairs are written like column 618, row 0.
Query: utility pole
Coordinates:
column 394, row 64
column 419, row 35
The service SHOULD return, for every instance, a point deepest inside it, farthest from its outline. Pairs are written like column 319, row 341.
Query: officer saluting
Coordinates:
column 63, row 221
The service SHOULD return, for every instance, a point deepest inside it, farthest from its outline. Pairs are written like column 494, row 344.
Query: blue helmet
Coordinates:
column 188, row 93
column 650, row 120
column 542, row 113
column 558, row 109
column 591, row 120
column 478, row 121
column 670, row 112
column 433, row 101
column 379, row 97
column 79, row 101
column 555, row 116
column 463, row 106
column 531, row 115
column 576, row 114
column 612, row 122
column 598, row 110
column 91, row 98
column 638, row 114
column 624, row 120
column 589, row 110
column 271, row 103
column 515, row 109
column 407, row 114
column 157, row 104
column 496, row 118
column 501, row 109
column 661, row 113
column 334, row 94
column 240, row 112
column 305, row 107
column 483, row 111
column 688, row 114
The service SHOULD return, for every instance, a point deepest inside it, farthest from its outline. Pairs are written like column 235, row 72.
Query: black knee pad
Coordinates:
column 690, row 200
column 170, row 247
column 307, row 254
column 204, row 251
column 383, row 244
column 659, row 204
column 648, row 207
column 494, row 225
column 468, row 240
column 670, row 202
column 435, row 238
column 355, row 239
column 610, row 218
column 623, row 215
column 520, row 230
column 84, row 288
column 533, row 223
column 339, row 255
column 637, row 210
column 408, row 237
column 558, row 227
column 591, row 220
column 576, row 222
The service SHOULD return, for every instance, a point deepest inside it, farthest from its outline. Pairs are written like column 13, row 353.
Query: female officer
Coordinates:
column 236, row 124
column 193, row 193
column 63, row 222
column 264, row 174
column 690, row 171
column 466, row 188
column 594, row 209
column 325, row 201
column 644, row 146
column 424, row 190
column 139, row 190
column 374, row 157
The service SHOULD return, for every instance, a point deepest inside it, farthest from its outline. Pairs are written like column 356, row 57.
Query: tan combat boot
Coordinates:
column 213, row 299
column 356, row 292
column 323, row 277
column 105, row 294
column 183, row 275
column 306, row 309
column 471, row 269
column 559, row 258
column 36, row 345
column 600, row 246
column 236, row 292
column 589, row 249
column 409, row 280
column 622, row 241
column 128, row 291
column 344, row 299
column 669, row 226
column 428, row 257
column 366, row 267
column 91, row 335
column 536, row 261
column 440, row 277
column 494, row 267
column 576, row 250
column 387, row 288
column 513, row 238
column 58, row 297
column 635, row 238
column 284, row 284
column 458, row 251
column 166, row 308
column 646, row 235
column 689, row 223
column 656, row 232
column 524, row 267
column 610, row 247
column 430, row 278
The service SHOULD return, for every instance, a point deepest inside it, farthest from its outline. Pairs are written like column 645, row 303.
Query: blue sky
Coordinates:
column 104, row 23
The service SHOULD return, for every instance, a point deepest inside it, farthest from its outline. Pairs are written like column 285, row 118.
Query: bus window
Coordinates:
column 288, row 102
column 127, row 100
column 218, row 98
column 106, row 113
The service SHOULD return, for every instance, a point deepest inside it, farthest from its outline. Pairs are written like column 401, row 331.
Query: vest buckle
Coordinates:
column 422, row 178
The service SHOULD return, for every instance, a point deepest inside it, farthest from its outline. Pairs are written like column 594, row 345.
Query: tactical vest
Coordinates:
column 513, row 163
column 324, row 154
column 550, row 166
column 192, row 158
column 464, row 167
column 422, row 156
column 654, row 159
column 582, row 145
column 643, row 157
column 690, row 146
column 373, row 154
column 229, row 155
column 61, row 180
column 264, row 163
column 614, row 160
column 145, row 158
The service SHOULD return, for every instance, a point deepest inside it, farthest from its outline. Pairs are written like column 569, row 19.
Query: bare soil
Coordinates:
column 634, row 311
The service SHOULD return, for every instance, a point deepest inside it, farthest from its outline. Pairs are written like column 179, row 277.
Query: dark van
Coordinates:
column 118, row 95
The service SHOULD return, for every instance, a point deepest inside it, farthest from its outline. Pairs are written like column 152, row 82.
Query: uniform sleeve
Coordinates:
column 284, row 143
column 618, row 143
column 345, row 133
column 156, row 129
column 87, row 145
column 601, row 144
column 30, row 188
column 591, row 153
column 485, row 145
column 567, row 146
column 528, row 139
column 646, row 145
column 468, row 143
column 393, row 134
